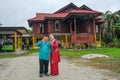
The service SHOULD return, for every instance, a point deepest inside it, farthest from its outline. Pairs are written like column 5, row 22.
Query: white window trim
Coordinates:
column 57, row 22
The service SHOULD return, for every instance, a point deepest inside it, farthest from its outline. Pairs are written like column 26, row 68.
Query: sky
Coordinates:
column 17, row 12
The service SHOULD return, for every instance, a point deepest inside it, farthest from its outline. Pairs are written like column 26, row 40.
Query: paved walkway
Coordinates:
column 26, row 68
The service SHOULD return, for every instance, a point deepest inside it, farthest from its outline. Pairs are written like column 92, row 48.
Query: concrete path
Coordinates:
column 26, row 68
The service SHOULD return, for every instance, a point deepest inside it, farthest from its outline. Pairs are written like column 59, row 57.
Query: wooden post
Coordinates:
column 33, row 39
column 94, row 29
column 71, row 31
column 18, row 41
column 100, row 36
column 66, row 39
column 70, row 26
column 63, row 39
column 75, row 28
column 48, row 26
column 15, row 41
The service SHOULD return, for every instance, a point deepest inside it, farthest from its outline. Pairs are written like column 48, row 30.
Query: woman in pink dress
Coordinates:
column 55, row 56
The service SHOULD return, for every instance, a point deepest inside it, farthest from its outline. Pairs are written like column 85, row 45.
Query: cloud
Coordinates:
column 16, row 12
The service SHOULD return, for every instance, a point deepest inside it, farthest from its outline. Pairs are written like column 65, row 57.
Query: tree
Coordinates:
column 117, row 30
column 110, row 20
column 29, row 31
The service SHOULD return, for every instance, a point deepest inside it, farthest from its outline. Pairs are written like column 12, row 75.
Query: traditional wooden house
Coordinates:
column 70, row 24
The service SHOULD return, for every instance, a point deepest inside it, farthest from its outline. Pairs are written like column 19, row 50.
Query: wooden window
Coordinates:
column 41, row 28
column 96, row 28
column 57, row 25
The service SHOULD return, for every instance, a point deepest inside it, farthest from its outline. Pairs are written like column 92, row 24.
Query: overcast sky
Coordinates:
column 16, row 12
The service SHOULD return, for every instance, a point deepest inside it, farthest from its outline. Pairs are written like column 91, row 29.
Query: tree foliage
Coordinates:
column 111, row 27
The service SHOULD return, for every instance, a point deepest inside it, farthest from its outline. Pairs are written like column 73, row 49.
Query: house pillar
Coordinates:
column 75, row 28
column 33, row 39
column 100, row 35
column 94, row 30
column 70, row 26
column 15, row 41
column 19, row 42
column 48, row 26
column 66, row 38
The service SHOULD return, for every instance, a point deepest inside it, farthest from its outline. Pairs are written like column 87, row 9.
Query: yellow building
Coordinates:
column 11, row 38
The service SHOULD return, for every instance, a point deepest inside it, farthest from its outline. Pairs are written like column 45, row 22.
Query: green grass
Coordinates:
column 112, row 63
column 7, row 47
column 113, row 52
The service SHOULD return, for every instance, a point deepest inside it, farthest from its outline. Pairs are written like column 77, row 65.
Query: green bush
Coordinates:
column 90, row 46
column 117, row 42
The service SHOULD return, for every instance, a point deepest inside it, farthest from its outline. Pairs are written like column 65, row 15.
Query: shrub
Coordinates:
column 90, row 46
column 116, row 42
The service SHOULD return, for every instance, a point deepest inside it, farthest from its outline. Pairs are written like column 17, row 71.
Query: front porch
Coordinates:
column 83, row 38
column 82, row 29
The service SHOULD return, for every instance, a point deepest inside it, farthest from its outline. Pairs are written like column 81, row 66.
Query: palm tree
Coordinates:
column 110, row 20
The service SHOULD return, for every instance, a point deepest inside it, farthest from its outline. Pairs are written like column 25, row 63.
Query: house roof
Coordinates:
column 39, row 16
column 20, row 29
column 71, row 5
column 43, row 16
column 64, row 12
column 57, row 15
column 86, row 11
column 84, row 7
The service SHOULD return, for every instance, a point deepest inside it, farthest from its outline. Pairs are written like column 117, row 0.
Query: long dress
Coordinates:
column 54, row 58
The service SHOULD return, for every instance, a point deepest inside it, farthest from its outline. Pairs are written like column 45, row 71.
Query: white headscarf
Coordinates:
column 52, row 38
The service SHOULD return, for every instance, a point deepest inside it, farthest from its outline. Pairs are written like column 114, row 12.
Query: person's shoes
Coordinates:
column 41, row 75
column 46, row 74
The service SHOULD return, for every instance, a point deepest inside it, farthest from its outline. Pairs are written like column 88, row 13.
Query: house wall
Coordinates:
column 84, row 26
column 36, row 28
column 83, row 38
column 63, row 27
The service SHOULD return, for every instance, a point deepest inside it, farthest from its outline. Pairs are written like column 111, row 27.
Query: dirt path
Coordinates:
column 26, row 68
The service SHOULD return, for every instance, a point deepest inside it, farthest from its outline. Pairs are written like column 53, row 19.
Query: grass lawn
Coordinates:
column 113, row 52
column 113, row 63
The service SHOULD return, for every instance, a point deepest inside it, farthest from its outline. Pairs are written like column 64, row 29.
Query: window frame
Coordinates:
column 57, row 22
column 42, row 27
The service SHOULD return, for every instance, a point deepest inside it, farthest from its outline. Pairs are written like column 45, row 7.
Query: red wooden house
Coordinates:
column 70, row 24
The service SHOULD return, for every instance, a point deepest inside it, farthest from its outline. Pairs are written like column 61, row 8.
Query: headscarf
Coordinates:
column 53, row 38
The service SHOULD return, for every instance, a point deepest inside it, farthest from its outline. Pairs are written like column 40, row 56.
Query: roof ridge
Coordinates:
column 85, row 7
column 70, row 4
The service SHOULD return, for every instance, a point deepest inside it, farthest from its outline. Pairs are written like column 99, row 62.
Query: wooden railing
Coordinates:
column 83, row 38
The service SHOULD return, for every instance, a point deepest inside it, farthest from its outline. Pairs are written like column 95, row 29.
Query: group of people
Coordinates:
column 49, row 51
